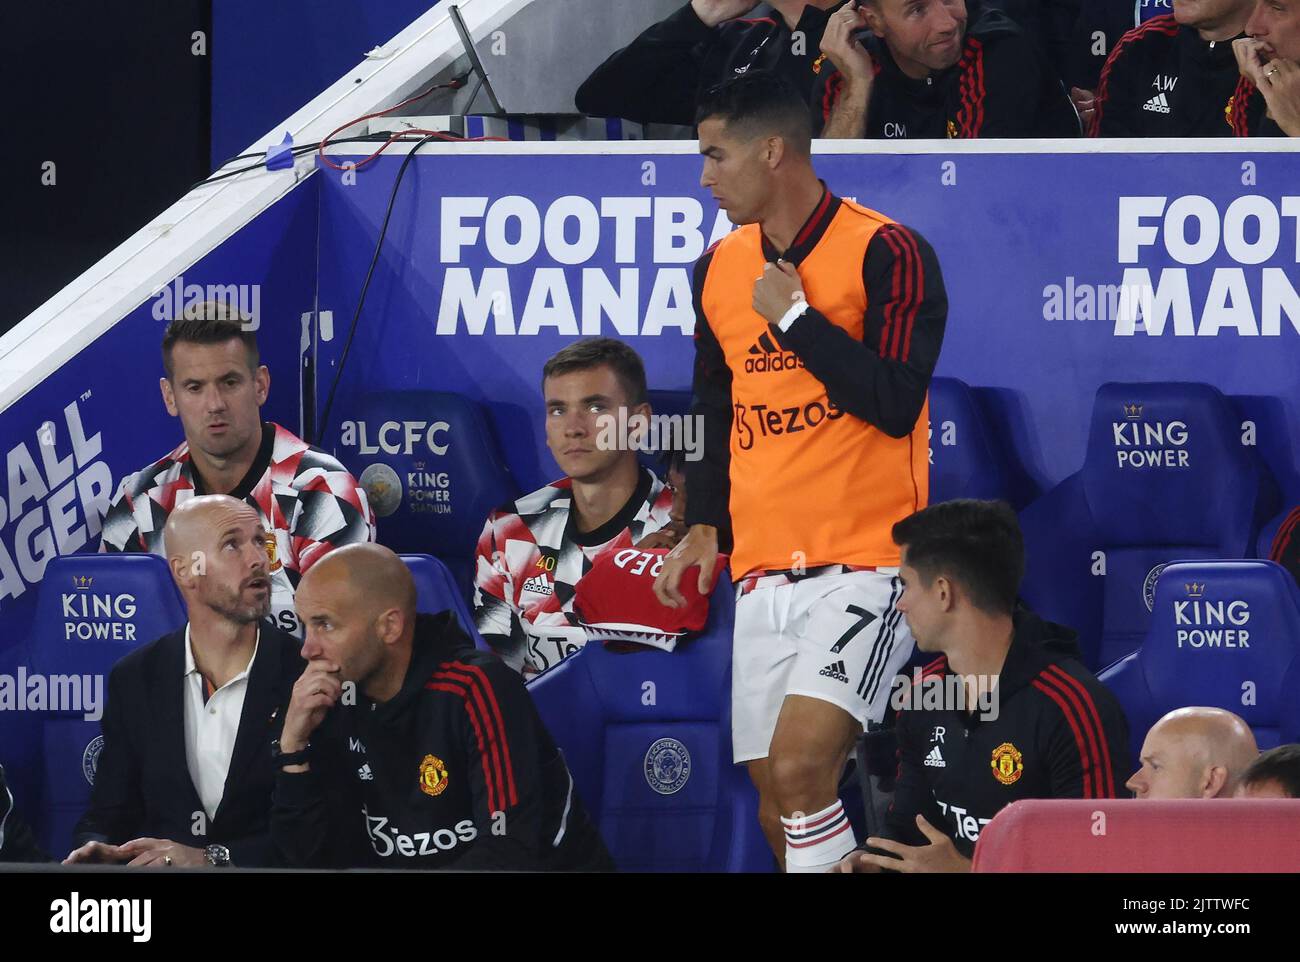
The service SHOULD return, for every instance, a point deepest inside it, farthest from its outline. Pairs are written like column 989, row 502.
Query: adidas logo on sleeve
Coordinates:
column 935, row 759
column 835, row 671
column 1158, row 104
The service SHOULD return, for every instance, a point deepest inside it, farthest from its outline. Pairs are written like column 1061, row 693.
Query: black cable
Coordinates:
column 297, row 151
column 455, row 83
column 323, row 425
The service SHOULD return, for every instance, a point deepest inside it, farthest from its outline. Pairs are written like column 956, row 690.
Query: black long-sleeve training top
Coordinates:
column 1055, row 732
column 456, row 770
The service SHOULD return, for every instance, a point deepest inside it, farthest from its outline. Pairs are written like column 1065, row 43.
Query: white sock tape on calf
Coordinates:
column 816, row 842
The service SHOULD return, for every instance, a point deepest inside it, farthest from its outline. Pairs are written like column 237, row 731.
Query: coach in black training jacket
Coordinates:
column 439, row 761
column 998, row 84
column 1164, row 79
column 659, row 76
column 1059, row 733
column 1037, row 725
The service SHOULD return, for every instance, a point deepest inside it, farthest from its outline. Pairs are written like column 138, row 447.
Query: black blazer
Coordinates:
column 142, row 783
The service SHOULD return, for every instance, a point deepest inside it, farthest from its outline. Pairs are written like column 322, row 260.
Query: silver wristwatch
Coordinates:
column 217, row 855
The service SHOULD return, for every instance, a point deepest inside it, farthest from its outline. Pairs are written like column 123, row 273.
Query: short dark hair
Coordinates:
column 977, row 544
column 1281, row 765
column 673, row 459
column 211, row 322
column 760, row 103
column 595, row 352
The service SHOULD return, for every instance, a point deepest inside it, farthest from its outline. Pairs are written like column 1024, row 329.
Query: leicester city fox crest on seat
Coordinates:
column 90, row 758
column 383, row 487
column 667, row 766
column 1149, row 585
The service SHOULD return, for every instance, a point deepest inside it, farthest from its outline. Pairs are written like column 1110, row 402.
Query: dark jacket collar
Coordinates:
column 276, row 667
column 1204, row 52
column 1035, row 644
column 438, row 638
column 166, row 680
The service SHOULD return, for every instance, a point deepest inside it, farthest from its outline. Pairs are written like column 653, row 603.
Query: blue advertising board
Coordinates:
column 1064, row 271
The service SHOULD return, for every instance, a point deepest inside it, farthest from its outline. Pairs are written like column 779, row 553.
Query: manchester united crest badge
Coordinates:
column 433, row 776
column 1008, row 764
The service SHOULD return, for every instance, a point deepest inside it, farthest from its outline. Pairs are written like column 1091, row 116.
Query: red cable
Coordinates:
column 399, row 135
column 454, row 84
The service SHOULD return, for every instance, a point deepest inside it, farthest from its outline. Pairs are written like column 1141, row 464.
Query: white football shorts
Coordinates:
column 831, row 633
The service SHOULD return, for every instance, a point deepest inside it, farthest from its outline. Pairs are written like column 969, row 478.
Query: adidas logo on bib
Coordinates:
column 835, row 671
column 766, row 355
column 934, row 759
column 538, row 585
column 1158, row 104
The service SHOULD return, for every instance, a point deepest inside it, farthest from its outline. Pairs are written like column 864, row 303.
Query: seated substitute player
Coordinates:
column 1274, row 774
column 436, row 759
column 1174, row 75
column 660, row 76
column 185, row 775
column 1018, row 714
column 1267, row 102
column 811, row 385
column 1194, row 753
column 916, row 69
column 533, row 551
column 308, row 502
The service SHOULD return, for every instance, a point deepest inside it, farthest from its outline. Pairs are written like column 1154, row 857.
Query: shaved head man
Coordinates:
column 216, row 549
column 235, row 669
column 404, row 747
column 360, row 599
column 1194, row 753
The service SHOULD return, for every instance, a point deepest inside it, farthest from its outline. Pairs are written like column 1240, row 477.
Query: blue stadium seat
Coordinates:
column 91, row 611
column 1166, row 477
column 435, row 590
column 964, row 462
column 432, row 470
column 647, row 736
column 1224, row 635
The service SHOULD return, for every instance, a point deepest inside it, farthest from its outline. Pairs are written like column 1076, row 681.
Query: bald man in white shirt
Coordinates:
column 185, row 775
